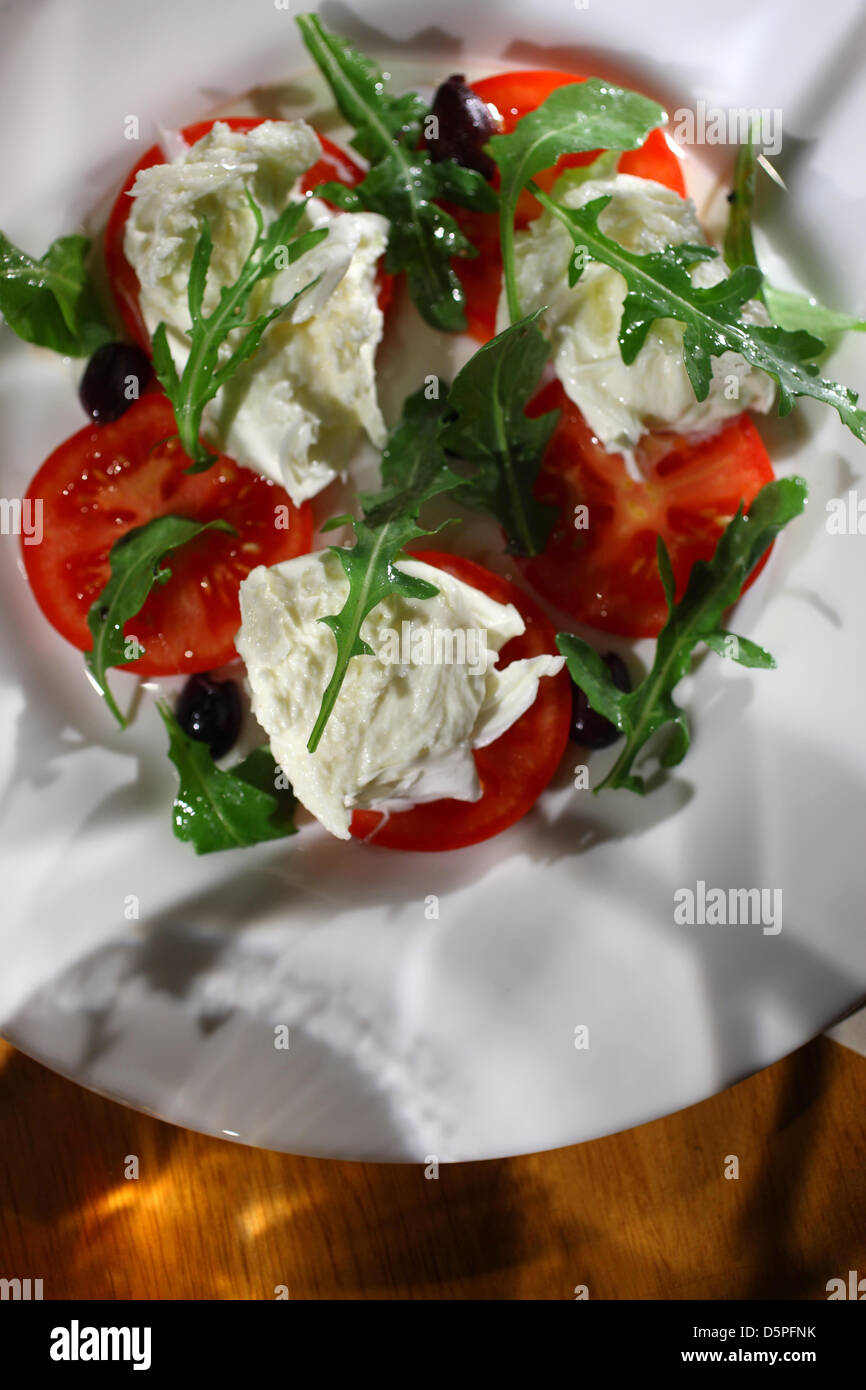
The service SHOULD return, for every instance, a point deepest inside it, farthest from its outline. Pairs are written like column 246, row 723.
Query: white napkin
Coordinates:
column 851, row 1031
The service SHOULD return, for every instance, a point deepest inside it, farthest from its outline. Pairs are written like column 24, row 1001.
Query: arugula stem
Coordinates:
column 636, row 739
column 518, row 509
column 202, row 346
column 332, row 690
column 108, row 697
column 509, row 267
column 329, row 699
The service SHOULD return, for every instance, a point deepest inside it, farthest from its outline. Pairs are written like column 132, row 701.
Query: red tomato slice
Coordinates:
column 516, row 768
column 334, row 165
column 606, row 573
column 107, row 479
column 514, row 94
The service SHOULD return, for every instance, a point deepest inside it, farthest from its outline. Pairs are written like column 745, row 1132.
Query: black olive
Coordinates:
column 116, row 375
column 210, row 711
column 592, row 730
column 465, row 124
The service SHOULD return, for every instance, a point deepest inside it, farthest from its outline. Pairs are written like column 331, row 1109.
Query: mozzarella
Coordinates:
column 295, row 410
column 402, row 730
column 619, row 402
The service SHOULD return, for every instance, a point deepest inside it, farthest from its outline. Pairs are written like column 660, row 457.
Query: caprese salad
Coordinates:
column 406, row 695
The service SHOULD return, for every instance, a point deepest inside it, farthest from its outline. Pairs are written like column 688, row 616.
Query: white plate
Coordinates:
column 455, row 1036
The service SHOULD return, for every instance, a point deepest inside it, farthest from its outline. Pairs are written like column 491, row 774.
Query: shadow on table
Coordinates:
column 769, row 1224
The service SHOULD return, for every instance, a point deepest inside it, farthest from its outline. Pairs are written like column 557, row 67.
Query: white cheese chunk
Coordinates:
column 619, row 402
column 295, row 410
column 407, row 718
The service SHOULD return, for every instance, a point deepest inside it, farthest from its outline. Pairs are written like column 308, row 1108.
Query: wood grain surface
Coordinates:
column 647, row 1213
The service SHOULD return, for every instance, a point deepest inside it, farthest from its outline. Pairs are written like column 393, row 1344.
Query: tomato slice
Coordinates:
column 605, row 573
column 516, row 768
column 107, row 479
column 335, row 165
column 514, row 94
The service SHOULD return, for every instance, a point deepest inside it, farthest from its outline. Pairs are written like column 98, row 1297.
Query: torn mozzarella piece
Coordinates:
column 408, row 717
column 620, row 402
column 296, row 409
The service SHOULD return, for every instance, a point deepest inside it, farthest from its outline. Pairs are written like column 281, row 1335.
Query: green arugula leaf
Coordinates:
column 591, row 115
column 660, row 287
column 403, row 181
column 712, row 587
column 218, row 809
column 414, row 469
column 135, row 561
column 791, row 311
column 800, row 311
column 738, row 246
column 483, row 421
column 492, row 430
column 207, row 370
column 52, row 302
column 358, row 86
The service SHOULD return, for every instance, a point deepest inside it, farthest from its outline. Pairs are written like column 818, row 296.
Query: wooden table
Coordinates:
column 643, row 1214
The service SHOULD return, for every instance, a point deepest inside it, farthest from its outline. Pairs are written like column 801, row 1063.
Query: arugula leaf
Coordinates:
column 482, row 420
column 712, row 587
column 492, row 430
column 799, row 311
column 660, row 287
column 403, row 181
column 135, row 561
column 414, row 469
column 791, row 311
column 738, row 246
column 582, row 116
column 204, row 374
column 52, row 302
column 218, row 809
